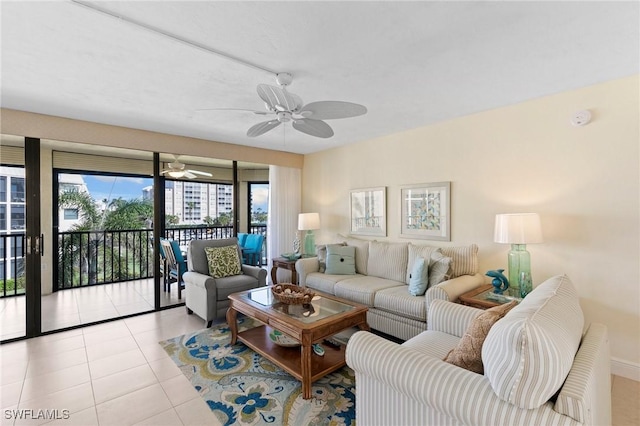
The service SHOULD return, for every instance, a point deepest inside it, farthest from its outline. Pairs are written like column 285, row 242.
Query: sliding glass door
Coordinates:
column 13, row 277
column 104, row 240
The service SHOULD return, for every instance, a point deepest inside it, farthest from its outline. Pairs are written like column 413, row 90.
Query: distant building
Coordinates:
column 147, row 193
column 12, row 196
column 67, row 217
column 192, row 202
column 12, row 221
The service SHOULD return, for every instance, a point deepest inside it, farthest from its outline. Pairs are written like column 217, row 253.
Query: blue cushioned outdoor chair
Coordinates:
column 176, row 263
column 242, row 238
column 252, row 251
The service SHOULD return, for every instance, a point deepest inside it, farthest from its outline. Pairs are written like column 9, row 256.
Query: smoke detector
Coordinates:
column 581, row 118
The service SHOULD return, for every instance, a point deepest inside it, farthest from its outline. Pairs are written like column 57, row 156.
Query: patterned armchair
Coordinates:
column 207, row 295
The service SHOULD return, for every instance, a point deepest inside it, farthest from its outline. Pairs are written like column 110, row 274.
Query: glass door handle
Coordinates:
column 37, row 247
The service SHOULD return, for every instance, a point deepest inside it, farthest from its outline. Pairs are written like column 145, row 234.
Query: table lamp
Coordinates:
column 518, row 229
column 308, row 222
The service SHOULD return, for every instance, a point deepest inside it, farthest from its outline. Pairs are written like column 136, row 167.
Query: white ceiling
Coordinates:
column 411, row 63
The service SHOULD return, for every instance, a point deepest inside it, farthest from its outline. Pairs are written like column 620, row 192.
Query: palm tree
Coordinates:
column 128, row 214
column 259, row 216
column 121, row 257
column 71, row 248
column 172, row 219
column 225, row 219
column 88, row 211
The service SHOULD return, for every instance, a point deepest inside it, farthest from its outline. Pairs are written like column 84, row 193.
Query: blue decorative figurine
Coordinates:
column 499, row 282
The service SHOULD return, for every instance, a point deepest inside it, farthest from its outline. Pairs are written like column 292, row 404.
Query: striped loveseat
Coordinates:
column 539, row 368
column 383, row 271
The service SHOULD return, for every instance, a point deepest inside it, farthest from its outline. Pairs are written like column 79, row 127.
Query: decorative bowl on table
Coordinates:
column 282, row 339
column 291, row 294
column 291, row 256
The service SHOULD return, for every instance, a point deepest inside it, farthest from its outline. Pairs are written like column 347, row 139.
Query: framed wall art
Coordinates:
column 426, row 211
column 368, row 211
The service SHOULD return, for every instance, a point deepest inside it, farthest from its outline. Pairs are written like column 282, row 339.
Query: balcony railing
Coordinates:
column 12, row 280
column 99, row 257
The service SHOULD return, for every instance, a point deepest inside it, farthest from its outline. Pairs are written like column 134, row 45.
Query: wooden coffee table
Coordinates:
column 308, row 324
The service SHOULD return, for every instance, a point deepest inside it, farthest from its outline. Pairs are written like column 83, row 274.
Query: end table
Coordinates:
column 483, row 297
column 281, row 262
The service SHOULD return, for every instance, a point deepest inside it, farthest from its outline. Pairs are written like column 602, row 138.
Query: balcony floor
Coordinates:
column 84, row 305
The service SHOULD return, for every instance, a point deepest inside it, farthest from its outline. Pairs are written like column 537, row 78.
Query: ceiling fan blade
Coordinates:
column 298, row 101
column 198, row 172
column 165, row 171
column 276, row 97
column 328, row 110
column 234, row 109
column 316, row 128
column 261, row 128
column 189, row 175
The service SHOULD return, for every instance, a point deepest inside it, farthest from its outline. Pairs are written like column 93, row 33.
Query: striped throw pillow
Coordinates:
column 417, row 251
column 527, row 355
column 468, row 353
column 388, row 260
column 464, row 259
column 439, row 266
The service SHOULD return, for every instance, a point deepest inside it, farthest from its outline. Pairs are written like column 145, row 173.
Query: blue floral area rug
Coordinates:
column 243, row 388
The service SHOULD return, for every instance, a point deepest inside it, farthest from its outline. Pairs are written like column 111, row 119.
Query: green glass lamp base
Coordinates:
column 519, row 261
column 309, row 244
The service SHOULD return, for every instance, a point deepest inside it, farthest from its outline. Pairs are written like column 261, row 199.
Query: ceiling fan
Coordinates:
column 288, row 107
column 176, row 169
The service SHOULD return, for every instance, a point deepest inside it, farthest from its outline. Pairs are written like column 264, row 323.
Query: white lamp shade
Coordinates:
column 518, row 228
column 307, row 221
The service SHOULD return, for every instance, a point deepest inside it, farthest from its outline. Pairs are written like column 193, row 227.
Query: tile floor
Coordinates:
column 84, row 305
column 117, row 374
column 109, row 374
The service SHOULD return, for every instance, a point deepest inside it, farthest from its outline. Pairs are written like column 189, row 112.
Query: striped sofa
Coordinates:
column 381, row 282
column 539, row 368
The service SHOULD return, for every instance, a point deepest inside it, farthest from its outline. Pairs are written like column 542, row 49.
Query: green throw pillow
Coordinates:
column 341, row 260
column 418, row 280
column 223, row 261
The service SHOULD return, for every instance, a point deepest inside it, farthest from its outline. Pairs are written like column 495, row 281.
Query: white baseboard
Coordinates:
column 626, row 369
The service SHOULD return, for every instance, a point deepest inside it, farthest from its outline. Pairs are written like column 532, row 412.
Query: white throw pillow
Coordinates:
column 416, row 251
column 464, row 259
column 439, row 266
column 528, row 354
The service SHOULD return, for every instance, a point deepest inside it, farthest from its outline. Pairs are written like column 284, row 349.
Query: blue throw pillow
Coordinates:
column 418, row 279
column 341, row 260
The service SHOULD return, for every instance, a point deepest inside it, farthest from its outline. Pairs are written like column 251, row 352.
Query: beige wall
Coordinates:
column 584, row 182
column 22, row 123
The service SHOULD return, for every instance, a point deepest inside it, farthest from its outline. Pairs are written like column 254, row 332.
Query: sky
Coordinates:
column 128, row 188
column 113, row 187
column 260, row 197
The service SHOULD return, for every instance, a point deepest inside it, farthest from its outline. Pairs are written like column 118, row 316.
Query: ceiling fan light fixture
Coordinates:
column 284, row 78
column 284, row 116
column 176, row 173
